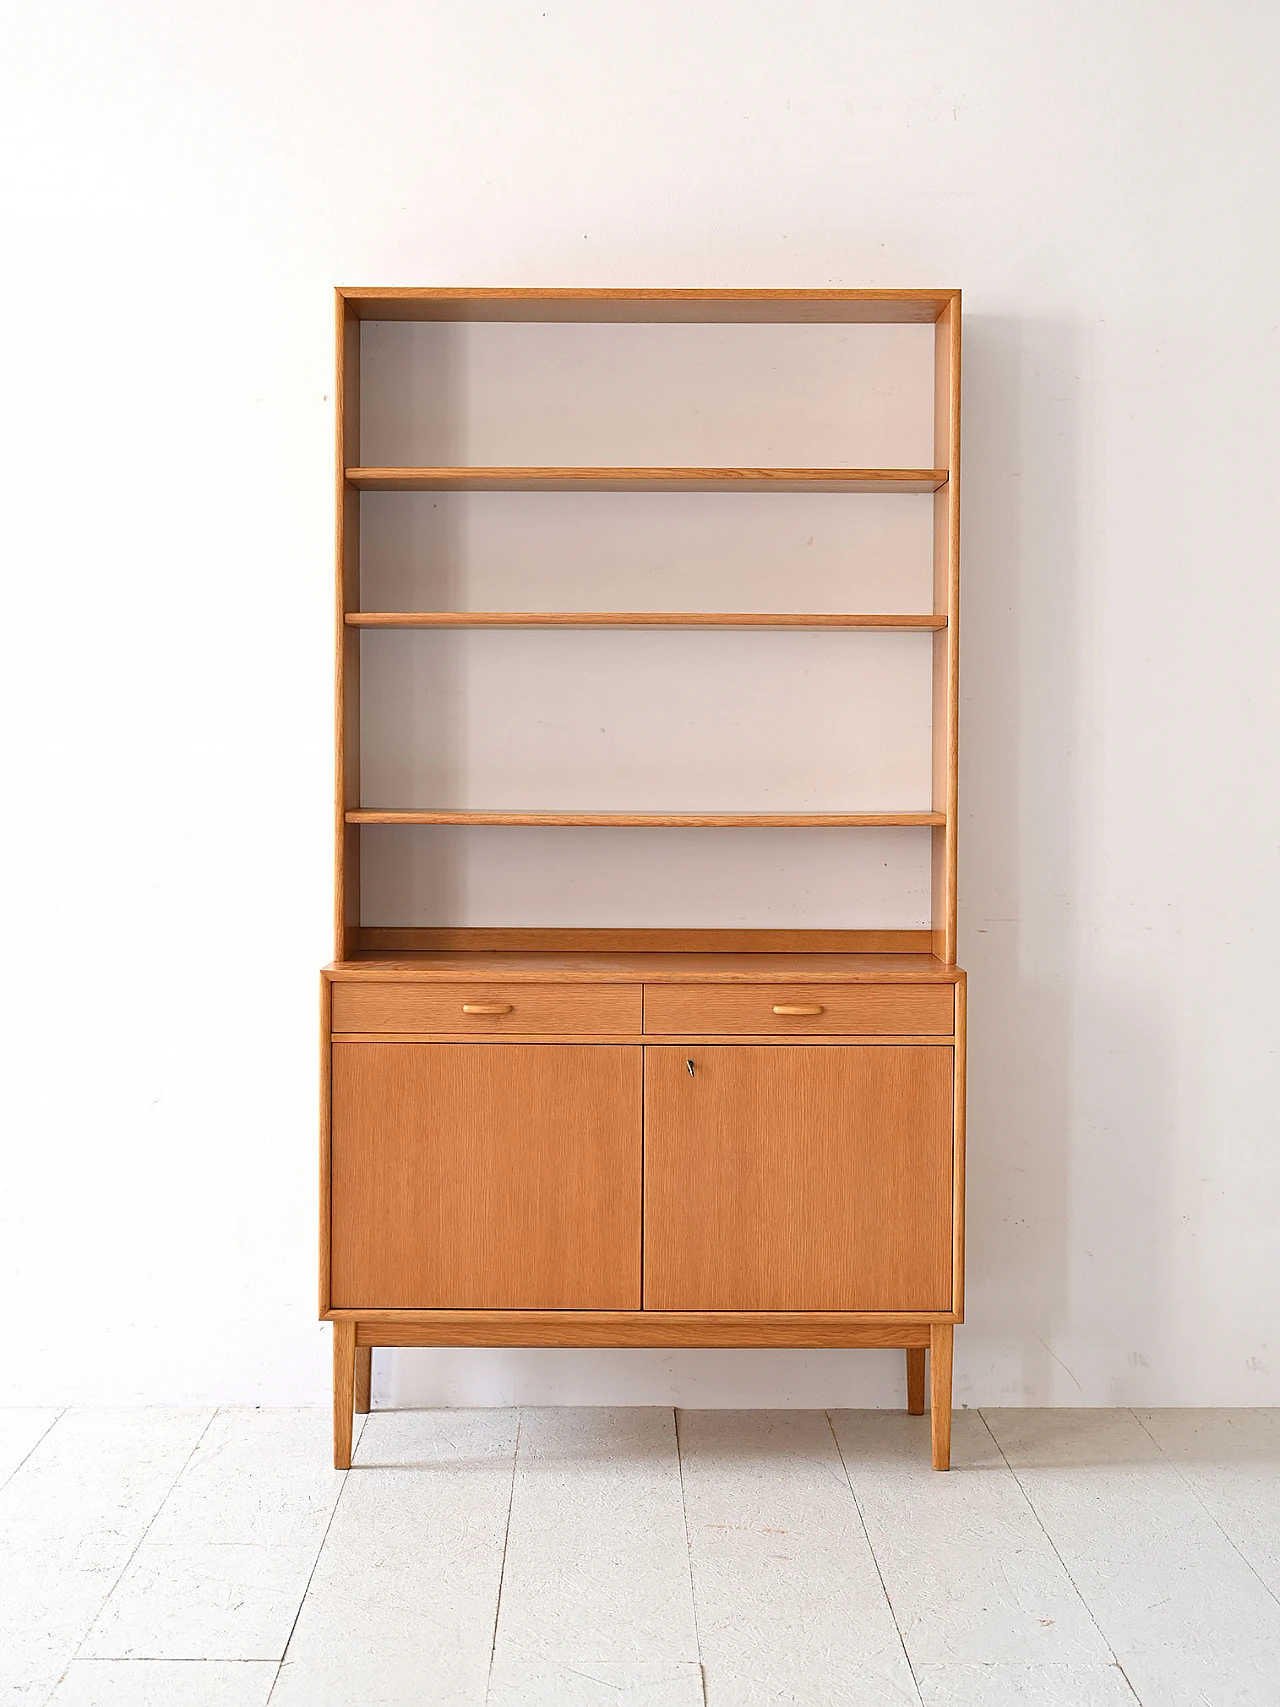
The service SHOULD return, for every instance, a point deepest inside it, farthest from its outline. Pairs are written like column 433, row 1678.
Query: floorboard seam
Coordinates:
column 884, row 1587
column 43, row 1436
column 315, row 1563
column 506, row 1541
column 1066, row 1571
column 1209, row 1513
column 688, row 1556
column 119, row 1576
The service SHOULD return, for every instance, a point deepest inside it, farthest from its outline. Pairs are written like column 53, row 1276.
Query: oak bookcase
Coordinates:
column 645, row 1137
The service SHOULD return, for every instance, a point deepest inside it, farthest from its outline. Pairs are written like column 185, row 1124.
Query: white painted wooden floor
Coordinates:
column 181, row 1558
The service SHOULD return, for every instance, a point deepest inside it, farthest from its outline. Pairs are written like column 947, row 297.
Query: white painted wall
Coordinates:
column 183, row 186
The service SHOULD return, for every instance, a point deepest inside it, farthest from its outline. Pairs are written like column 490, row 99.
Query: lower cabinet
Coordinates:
column 704, row 1166
column 485, row 1176
column 495, row 1176
column 781, row 1178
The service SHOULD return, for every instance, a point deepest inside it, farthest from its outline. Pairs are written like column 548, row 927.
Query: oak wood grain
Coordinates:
column 915, row 1381
column 866, row 1009
column 638, row 1328
column 959, row 1104
column 798, row 1178
column 326, row 988
column 646, row 479
column 685, row 1037
column 344, row 1374
column 654, row 940
column 713, row 967
column 504, row 1176
column 375, row 1007
column 637, row 619
column 946, row 643
column 657, row 305
column 346, row 687
column 941, row 1344
column 653, row 820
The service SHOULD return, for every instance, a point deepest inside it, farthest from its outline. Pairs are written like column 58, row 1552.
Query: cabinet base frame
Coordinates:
column 354, row 1337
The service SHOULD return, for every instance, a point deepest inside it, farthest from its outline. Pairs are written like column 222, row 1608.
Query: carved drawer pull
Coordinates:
column 486, row 1007
column 790, row 1008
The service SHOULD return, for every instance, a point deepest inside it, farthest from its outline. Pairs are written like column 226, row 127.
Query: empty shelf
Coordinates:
column 667, row 820
column 647, row 479
column 635, row 619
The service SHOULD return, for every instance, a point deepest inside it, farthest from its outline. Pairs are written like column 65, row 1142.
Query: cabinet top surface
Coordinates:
column 465, row 965
column 395, row 302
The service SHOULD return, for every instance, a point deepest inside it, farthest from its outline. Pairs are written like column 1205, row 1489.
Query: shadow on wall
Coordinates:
column 1068, row 1177
column 1068, row 1181
column 430, row 400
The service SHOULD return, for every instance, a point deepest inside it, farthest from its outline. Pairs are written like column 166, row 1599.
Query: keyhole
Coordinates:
column 689, row 1065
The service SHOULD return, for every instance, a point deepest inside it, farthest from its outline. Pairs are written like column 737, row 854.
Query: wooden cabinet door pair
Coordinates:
column 536, row 1176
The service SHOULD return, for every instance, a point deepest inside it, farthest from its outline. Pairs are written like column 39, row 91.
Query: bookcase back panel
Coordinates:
column 694, row 879
column 618, row 720
column 639, row 395
column 549, row 551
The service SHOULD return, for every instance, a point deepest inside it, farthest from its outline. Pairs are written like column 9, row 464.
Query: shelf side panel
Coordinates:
column 946, row 642
column 347, row 639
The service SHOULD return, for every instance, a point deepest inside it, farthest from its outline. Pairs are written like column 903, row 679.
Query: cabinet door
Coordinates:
column 782, row 1178
column 485, row 1176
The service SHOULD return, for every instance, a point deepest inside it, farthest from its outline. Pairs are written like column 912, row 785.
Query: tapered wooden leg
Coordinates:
column 915, row 1380
column 344, row 1380
column 941, row 1335
column 364, row 1376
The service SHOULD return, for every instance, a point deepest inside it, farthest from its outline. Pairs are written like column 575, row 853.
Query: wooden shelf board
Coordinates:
column 768, row 307
column 576, row 965
column 632, row 939
column 629, row 1328
column 664, row 820
column 636, row 619
column 664, row 1039
column 647, row 479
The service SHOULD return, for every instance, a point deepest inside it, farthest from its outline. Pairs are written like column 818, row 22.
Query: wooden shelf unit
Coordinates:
column 827, row 1065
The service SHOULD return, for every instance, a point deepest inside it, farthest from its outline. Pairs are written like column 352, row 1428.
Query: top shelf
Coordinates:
column 724, row 307
column 647, row 479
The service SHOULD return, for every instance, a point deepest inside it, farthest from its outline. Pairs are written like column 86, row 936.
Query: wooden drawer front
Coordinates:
column 837, row 1010
column 497, row 1008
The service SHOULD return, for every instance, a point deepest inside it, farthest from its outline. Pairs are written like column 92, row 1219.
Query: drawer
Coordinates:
column 837, row 1010
column 496, row 1008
